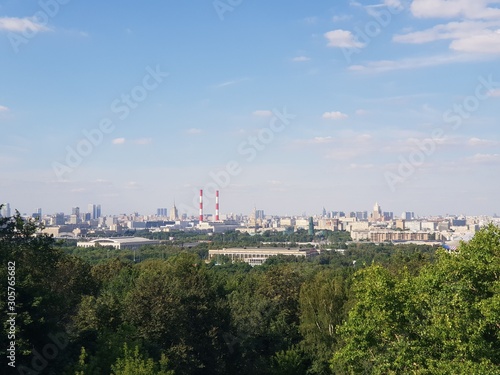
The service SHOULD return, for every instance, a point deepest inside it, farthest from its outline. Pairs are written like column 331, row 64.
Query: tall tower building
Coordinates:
column 5, row 212
column 94, row 211
column 91, row 210
column 377, row 212
column 174, row 214
column 162, row 212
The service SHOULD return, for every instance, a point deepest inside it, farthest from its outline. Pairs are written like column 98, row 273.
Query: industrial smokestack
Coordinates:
column 217, row 205
column 201, row 206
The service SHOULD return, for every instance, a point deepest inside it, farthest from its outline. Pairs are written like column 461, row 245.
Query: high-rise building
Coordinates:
column 174, row 214
column 38, row 214
column 59, row 218
column 259, row 214
column 5, row 212
column 407, row 216
column 94, row 210
column 388, row 215
column 75, row 211
column 162, row 212
column 377, row 212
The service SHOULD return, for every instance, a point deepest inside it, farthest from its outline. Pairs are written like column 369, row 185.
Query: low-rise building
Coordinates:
column 119, row 243
column 257, row 256
column 395, row 235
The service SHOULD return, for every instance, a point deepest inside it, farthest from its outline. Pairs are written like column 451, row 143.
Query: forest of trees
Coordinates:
column 384, row 309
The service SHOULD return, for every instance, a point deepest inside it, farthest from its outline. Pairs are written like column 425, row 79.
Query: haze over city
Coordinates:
column 284, row 106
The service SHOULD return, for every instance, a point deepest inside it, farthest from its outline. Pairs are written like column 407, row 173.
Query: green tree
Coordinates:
column 176, row 307
column 48, row 287
column 322, row 310
column 134, row 363
column 443, row 320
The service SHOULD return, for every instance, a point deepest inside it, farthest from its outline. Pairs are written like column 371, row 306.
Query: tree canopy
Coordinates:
column 385, row 309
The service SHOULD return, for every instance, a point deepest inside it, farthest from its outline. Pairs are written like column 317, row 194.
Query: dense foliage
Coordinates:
column 370, row 309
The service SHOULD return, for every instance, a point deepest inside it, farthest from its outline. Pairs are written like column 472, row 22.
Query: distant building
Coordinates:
column 94, row 211
column 58, row 219
column 119, row 243
column 174, row 213
column 330, row 224
column 257, row 256
column 362, row 215
column 162, row 212
column 74, row 219
column 5, row 211
column 459, row 222
column 377, row 213
column 407, row 216
column 287, row 222
column 301, row 224
column 389, row 236
column 401, row 224
column 414, row 226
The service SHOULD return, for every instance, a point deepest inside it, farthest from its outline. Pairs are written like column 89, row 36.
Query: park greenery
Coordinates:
column 369, row 309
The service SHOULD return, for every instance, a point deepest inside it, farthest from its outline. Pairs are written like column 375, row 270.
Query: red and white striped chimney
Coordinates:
column 217, row 205
column 201, row 205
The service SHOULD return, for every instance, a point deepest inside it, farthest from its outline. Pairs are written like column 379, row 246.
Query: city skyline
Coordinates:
column 93, row 211
column 288, row 107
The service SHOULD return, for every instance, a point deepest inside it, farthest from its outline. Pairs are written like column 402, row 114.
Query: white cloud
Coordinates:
column 361, row 112
column 342, row 39
column 484, row 158
column 194, row 131
column 336, row 115
column 476, row 34
column 21, row 25
column 393, row 4
column 481, row 142
column 315, row 141
column 471, row 9
column 486, row 43
column 451, row 30
column 411, row 63
column 118, row 141
column 263, row 113
column 301, row 59
column 321, row 140
column 4, row 108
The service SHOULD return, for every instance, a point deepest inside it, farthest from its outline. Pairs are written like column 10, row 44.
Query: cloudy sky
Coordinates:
column 289, row 106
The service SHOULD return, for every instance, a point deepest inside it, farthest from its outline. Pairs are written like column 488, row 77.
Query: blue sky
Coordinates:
column 389, row 101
